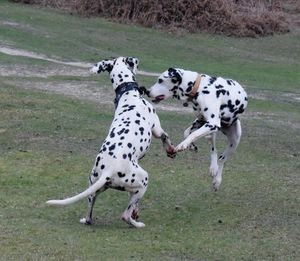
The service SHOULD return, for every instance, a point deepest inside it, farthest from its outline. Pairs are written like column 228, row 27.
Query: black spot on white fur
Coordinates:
column 218, row 103
column 127, row 141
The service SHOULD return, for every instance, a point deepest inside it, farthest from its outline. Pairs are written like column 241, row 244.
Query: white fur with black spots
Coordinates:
column 217, row 103
column 129, row 137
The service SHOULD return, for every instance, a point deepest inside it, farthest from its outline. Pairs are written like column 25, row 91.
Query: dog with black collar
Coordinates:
column 217, row 103
column 129, row 137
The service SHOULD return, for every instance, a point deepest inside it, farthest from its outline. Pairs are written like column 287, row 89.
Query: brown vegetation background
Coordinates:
column 240, row 18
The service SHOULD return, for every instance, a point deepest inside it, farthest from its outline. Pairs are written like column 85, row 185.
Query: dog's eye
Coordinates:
column 160, row 80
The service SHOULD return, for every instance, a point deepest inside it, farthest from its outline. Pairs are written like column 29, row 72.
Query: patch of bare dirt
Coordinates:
column 81, row 67
column 80, row 89
column 20, row 70
column 24, row 53
column 268, row 95
column 90, row 91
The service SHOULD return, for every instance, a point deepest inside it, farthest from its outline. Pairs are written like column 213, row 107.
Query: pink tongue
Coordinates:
column 158, row 98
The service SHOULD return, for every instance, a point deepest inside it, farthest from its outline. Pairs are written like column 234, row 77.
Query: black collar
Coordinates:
column 124, row 87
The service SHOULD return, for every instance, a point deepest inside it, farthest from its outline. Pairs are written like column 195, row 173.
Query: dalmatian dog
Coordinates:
column 217, row 103
column 116, row 165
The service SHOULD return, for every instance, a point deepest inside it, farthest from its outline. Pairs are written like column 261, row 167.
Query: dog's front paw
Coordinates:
column 182, row 146
column 171, row 153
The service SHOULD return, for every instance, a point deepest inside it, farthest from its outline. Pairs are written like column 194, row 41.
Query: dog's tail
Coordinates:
column 92, row 189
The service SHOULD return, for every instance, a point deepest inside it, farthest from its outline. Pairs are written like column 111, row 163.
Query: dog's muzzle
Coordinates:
column 158, row 99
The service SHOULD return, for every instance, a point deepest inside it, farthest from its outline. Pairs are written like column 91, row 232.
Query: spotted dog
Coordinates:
column 217, row 103
column 116, row 166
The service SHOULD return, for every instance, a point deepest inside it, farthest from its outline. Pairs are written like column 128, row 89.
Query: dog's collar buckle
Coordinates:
column 195, row 88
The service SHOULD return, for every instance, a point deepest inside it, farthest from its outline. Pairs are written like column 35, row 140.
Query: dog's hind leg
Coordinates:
column 88, row 220
column 135, row 212
column 233, row 134
column 197, row 124
column 213, row 169
column 129, row 215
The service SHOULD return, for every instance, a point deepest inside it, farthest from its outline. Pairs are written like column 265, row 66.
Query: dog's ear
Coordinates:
column 133, row 63
column 104, row 65
column 175, row 75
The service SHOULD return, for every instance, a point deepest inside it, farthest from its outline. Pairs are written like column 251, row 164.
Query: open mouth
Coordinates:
column 158, row 98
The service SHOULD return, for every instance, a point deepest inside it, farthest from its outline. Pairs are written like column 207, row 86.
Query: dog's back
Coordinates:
column 130, row 133
column 228, row 94
column 116, row 165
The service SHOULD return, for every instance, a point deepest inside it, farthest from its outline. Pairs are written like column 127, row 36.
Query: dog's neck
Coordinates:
column 124, row 87
column 189, row 86
column 195, row 88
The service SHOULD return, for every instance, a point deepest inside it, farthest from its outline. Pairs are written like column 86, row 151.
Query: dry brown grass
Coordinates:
column 240, row 18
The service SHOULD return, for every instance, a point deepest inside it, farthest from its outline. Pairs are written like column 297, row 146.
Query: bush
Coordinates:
column 239, row 18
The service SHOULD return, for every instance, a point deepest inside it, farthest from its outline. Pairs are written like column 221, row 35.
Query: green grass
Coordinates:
column 48, row 143
column 254, row 216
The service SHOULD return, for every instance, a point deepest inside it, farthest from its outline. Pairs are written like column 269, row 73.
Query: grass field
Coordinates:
column 54, row 117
